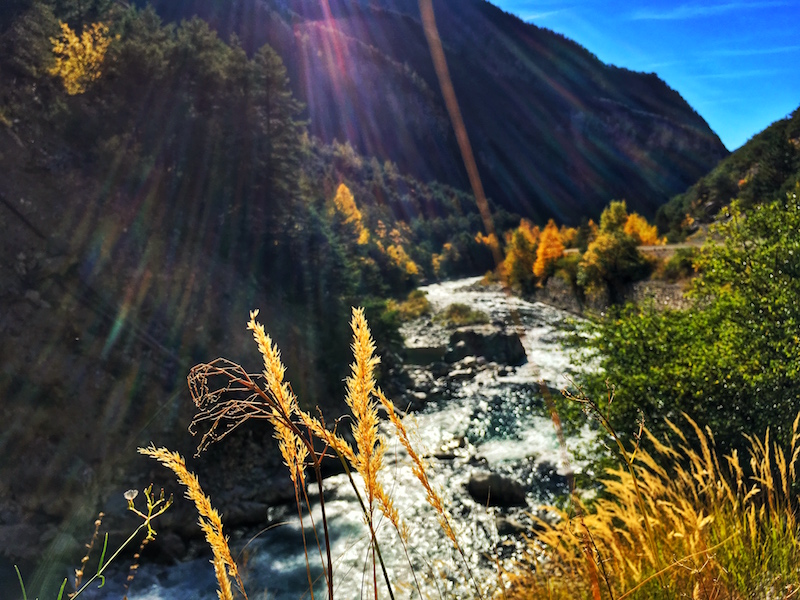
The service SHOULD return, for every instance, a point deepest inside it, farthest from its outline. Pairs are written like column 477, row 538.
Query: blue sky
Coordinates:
column 737, row 62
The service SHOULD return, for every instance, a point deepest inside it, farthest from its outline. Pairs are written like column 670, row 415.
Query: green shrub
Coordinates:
column 414, row 307
column 679, row 266
column 731, row 358
column 459, row 315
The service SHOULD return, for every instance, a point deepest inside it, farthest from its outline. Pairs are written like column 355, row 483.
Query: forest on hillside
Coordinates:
column 194, row 153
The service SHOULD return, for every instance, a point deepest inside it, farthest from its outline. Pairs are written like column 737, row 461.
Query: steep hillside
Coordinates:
column 763, row 169
column 142, row 217
column 557, row 133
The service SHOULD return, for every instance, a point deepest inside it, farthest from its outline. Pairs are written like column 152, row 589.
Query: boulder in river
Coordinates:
column 493, row 489
column 509, row 526
column 491, row 343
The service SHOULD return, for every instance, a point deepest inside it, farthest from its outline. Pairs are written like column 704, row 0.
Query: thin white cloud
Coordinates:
column 756, row 51
column 661, row 65
column 535, row 16
column 691, row 11
column 728, row 101
column 743, row 74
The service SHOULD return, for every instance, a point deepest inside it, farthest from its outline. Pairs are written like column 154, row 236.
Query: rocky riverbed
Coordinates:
column 478, row 411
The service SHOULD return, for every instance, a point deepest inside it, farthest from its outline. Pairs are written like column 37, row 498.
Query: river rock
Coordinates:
column 493, row 489
column 416, row 401
column 549, row 478
column 461, row 374
column 508, row 526
column 424, row 355
column 439, row 369
column 489, row 342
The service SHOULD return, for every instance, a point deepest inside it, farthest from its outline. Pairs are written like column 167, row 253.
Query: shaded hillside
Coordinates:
column 556, row 132
column 763, row 169
column 141, row 219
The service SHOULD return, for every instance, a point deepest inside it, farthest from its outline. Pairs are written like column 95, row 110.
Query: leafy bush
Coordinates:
column 731, row 359
column 679, row 266
column 414, row 307
column 459, row 315
column 612, row 259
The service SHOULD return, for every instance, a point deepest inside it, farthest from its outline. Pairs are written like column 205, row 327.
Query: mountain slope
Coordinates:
column 556, row 132
column 763, row 169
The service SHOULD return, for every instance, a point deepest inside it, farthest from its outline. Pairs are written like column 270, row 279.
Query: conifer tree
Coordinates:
column 276, row 113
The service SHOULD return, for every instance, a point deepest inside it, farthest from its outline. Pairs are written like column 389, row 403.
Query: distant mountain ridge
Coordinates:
column 556, row 132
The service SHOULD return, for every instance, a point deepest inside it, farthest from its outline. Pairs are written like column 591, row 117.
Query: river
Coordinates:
column 488, row 418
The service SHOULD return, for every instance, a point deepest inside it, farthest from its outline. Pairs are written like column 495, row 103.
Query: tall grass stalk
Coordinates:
column 210, row 521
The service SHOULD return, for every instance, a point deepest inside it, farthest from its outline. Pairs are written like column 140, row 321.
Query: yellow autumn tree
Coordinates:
column 550, row 249
column 490, row 241
column 530, row 231
column 345, row 205
column 448, row 256
column 593, row 230
column 612, row 259
column 614, row 217
column 569, row 235
column 79, row 58
column 401, row 259
column 520, row 255
column 639, row 229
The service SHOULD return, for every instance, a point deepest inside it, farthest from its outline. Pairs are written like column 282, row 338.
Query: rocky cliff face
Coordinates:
column 556, row 132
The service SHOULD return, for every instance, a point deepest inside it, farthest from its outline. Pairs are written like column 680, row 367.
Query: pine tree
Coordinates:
column 276, row 112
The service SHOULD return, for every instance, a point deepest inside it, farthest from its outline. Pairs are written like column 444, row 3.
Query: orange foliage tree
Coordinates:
column 550, row 249
column 490, row 241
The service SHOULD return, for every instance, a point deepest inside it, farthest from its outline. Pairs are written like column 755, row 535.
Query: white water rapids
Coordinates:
column 494, row 420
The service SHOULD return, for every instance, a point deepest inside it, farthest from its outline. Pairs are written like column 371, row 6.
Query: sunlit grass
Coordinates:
column 721, row 527
column 674, row 520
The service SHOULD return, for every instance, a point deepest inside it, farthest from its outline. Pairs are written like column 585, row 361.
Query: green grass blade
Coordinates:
column 21, row 585
column 61, row 591
column 103, row 553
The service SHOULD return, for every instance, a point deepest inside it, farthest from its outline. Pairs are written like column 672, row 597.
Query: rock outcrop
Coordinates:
column 490, row 342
